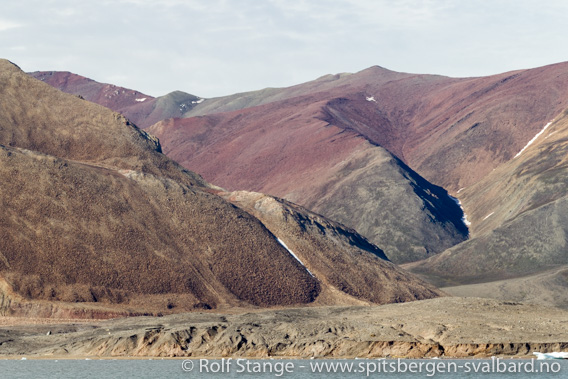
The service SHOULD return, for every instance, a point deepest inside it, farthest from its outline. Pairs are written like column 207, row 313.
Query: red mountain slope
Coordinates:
column 143, row 110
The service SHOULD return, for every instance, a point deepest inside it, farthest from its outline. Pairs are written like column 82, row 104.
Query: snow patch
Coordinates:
column 489, row 215
column 197, row 101
column 534, row 139
column 371, row 98
column 141, row 99
column 464, row 217
column 294, row 255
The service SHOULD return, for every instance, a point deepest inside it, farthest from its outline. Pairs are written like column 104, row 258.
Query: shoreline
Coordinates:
column 445, row 328
column 146, row 358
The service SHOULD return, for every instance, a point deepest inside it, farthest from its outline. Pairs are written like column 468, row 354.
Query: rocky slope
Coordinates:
column 93, row 212
column 444, row 327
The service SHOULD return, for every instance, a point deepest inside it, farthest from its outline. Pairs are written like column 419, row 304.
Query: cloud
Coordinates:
column 218, row 47
column 7, row 24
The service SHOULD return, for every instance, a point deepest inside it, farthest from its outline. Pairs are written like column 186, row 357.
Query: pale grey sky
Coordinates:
column 219, row 47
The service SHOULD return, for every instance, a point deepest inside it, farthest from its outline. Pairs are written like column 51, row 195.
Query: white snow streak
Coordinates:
column 489, row 215
column 141, row 100
column 294, row 255
column 197, row 101
column 461, row 189
column 534, row 139
column 464, row 218
column 371, row 98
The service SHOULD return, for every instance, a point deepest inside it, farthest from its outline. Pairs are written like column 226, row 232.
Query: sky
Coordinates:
column 219, row 47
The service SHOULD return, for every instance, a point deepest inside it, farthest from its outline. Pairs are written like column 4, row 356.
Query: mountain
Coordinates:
column 382, row 151
column 94, row 213
column 452, row 131
column 520, row 221
column 143, row 110
column 341, row 258
column 282, row 149
column 463, row 134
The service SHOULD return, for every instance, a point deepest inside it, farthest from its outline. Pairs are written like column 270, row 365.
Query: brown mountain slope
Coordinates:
column 453, row 131
column 35, row 117
column 92, row 211
column 533, row 178
column 126, row 218
column 98, row 234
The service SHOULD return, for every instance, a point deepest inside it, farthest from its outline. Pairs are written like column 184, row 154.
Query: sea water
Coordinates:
column 276, row 368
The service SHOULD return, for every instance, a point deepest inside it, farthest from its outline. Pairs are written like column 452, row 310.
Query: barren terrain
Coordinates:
column 443, row 327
